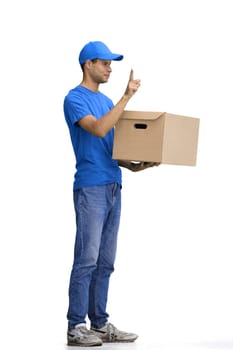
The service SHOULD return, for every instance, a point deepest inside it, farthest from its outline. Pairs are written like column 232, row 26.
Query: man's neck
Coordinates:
column 90, row 85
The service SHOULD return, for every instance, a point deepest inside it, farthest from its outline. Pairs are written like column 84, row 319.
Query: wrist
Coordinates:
column 125, row 98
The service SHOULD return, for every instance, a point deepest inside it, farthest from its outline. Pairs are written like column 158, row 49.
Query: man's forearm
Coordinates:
column 109, row 120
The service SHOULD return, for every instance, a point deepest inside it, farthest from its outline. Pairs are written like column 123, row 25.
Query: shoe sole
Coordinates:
column 107, row 340
column 118, row 341
column 84, row 345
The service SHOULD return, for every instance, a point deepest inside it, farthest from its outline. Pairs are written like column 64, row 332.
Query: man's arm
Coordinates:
column 100, row 127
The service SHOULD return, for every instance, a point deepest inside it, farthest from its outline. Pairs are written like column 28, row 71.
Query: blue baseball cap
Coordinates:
column 97, row 49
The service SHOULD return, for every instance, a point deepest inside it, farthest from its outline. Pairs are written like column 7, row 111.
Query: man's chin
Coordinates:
column 103, row 80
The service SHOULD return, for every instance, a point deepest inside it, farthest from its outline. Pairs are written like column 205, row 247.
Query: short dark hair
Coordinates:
column 93, row 61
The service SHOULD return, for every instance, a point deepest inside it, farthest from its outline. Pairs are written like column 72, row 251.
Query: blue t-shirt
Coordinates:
column 94, row 163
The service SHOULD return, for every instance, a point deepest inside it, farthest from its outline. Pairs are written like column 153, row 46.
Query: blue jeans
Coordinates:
column 97, row 211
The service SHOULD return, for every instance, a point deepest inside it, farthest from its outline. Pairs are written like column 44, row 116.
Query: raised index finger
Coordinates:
column 131, row 77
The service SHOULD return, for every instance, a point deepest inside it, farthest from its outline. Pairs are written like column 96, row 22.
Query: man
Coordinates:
column 91, row 117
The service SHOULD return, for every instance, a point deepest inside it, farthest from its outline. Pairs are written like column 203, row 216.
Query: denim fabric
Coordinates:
column 97, row 211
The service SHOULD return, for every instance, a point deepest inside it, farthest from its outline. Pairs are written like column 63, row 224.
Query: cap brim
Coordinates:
column 111, row 57
column 118, row 57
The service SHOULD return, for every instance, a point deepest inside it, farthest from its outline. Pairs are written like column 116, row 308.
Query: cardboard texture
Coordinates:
column 156, row 137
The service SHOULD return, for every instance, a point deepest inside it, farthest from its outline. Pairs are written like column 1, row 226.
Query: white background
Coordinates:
column 173, row 278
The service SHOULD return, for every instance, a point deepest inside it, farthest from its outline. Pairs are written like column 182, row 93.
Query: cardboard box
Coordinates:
column 156, row 137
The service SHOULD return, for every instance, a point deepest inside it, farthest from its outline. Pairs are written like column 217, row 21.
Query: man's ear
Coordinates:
column 88, row 64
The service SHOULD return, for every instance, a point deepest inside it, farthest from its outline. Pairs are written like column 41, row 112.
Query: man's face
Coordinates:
column 100, row 70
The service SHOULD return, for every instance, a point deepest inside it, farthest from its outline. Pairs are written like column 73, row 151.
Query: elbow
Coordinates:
column 99, row 132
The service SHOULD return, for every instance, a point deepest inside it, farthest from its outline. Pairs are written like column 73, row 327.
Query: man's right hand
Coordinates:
column 133, row 85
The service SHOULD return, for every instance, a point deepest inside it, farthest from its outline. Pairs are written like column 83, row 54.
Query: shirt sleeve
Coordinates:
column 75, row 108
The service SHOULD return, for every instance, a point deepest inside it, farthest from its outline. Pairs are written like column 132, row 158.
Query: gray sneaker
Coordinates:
column 81, row 336
column 110, row 334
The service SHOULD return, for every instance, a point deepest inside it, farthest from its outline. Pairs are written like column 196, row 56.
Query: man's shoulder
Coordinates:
column 73, row 95
column 76, row 91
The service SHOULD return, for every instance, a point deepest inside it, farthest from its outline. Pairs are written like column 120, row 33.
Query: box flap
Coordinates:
column 139, row 115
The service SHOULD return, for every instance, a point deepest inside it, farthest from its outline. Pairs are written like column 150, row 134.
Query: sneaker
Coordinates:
column 110, row 334
column 81, row 336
